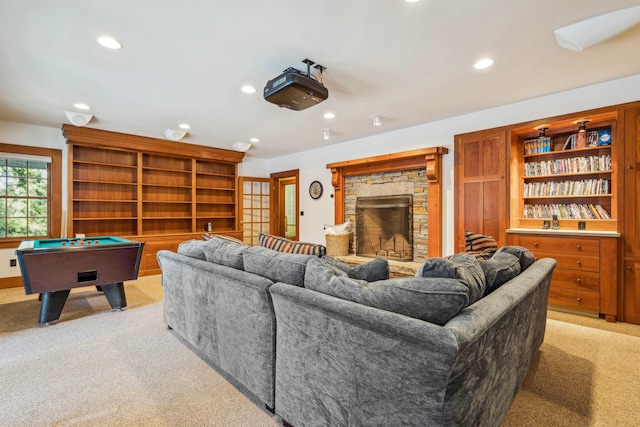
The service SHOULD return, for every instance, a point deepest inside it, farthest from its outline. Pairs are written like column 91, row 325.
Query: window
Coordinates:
column 24, row 196
column 30, row 193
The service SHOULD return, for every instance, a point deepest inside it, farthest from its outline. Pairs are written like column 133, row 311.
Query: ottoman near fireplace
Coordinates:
column 384, row 227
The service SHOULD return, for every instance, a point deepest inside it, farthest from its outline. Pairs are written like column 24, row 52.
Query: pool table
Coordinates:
column 52, row 267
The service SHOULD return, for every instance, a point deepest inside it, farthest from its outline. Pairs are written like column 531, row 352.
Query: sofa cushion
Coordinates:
column 462, row 267
column 209, row 236
column 434, row 300
column 499, row 269
column 193, row 249
column 525, row 256
column 276, row 266
column 378, row 269
column 281, row 244
column 225, row 252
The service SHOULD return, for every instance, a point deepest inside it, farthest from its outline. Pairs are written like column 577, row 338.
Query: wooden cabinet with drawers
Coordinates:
column 586, row 275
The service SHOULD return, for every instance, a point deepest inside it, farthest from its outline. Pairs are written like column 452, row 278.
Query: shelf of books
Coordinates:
column 563, row 175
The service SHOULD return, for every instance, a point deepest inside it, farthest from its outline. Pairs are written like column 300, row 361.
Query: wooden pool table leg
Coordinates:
column 115, row 295
column 52, row 304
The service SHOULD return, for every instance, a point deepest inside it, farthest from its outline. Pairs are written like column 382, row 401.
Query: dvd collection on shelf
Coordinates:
column 544, row 144
column 538, row 145
column 569, row 166
column 566, row 211
column 585, row 187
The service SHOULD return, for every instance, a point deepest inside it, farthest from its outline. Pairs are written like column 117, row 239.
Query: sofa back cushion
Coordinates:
column 462, row 267
column 225, row 252
column 434, row 300
column 276, row 266
column 281, row 244
column 378, row 269
column 192, row 248
column 499, row 269
column 524, row 255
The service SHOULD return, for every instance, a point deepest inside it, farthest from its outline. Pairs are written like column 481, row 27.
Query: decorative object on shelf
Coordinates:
column 315, row 190
column 78, row 119
column 581, row 136
column 604, row 137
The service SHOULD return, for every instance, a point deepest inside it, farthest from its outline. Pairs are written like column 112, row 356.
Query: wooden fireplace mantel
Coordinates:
column 429, row 158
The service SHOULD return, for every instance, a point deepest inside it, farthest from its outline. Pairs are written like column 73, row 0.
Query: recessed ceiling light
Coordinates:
column 109, row 42
column 483, row 63
column 412, row 1
column 254, row 140
column 248, row 89
column 184, row 126
column 329, row 115
column 81, row 106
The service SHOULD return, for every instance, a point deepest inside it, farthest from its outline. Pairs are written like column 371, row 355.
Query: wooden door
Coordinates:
column 285, row 208
column 631, row 234
column 480, row 188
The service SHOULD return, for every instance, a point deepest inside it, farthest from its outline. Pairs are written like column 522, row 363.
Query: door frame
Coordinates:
column 276, row 213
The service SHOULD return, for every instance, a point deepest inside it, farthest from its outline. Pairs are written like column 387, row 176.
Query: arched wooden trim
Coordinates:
column 428, row 158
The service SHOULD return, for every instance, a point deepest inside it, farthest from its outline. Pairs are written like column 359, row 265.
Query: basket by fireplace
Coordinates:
column 338, row 244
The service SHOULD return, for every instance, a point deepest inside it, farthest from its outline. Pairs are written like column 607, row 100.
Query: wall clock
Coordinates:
column 315, row 190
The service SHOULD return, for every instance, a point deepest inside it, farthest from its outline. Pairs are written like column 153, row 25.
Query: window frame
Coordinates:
column 55, row 225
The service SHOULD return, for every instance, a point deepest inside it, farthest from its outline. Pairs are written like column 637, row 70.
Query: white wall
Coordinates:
column 312, row 163
column 36, row 136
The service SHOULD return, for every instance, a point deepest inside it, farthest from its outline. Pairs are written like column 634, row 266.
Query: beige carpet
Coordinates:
column 98, row 367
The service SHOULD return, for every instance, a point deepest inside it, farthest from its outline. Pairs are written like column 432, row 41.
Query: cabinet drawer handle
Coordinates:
column 578, row 280
column 535, row 244
column 578, row 246
column 579, row 299
column 629, row 267
column 579, row 262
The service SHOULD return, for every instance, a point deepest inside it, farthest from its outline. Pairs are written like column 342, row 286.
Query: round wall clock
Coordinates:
column 315, row 190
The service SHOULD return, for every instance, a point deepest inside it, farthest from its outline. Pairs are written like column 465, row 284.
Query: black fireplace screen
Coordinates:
column 384, row 227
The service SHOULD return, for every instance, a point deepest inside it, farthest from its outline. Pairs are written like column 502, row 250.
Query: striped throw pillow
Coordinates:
column 281, row 244
column 479, row 243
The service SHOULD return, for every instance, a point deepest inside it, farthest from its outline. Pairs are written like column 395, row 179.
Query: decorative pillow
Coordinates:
column 479, row 243
column 192, row 248
column 281, row 244
column 377, row 269
column 276, row 266
column 525, row 256
column 338, row 228
column 225, row 252
column 462, row 267
column 499, row 269
column 432, row 300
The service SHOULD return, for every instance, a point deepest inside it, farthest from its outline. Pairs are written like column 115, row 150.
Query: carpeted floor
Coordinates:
column 100, row 367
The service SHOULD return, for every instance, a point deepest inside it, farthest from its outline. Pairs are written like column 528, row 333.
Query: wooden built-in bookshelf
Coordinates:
column 158, row 191
column 575, row 184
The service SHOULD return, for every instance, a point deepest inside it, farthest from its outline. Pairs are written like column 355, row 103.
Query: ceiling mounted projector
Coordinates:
column 295, row 90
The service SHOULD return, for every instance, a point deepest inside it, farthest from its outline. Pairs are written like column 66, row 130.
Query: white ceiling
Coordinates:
column 185, row 61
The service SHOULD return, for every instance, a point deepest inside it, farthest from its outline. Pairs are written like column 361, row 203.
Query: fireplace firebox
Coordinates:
column 384, row 227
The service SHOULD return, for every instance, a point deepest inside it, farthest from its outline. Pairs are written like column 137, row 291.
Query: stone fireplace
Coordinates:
column 417, row 173
column 384, row 227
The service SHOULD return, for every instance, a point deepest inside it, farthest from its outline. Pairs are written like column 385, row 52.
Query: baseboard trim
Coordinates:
column 10, row 282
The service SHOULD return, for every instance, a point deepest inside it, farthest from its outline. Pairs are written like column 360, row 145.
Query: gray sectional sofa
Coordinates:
column 322, row 344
